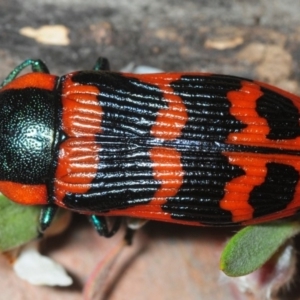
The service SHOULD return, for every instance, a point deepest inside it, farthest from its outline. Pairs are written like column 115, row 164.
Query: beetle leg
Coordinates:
column 100, row 225
column 36, row 66
column 129, row 235
column 46, row 216
column 102, row 64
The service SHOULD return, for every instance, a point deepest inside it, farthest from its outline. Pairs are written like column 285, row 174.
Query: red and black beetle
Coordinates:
column 190, row 148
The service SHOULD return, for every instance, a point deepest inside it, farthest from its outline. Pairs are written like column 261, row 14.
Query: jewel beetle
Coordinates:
column 190, row 148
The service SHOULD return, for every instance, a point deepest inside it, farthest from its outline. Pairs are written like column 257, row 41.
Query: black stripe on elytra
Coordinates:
column 206, row 170
column 281, row 114
column 277, row 191
column 208, row 107
column 125, row 173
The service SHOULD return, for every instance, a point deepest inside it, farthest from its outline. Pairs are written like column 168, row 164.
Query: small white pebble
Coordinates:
column 40, row 270
column 48, row 34
column 146, row 70
column 131, row 68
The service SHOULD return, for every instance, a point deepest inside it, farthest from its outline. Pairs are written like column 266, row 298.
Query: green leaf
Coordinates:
column 18, row 224
column 254, row 245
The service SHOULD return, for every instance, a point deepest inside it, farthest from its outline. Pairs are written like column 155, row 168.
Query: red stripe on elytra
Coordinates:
column 243, row 108
column 167, row 169
column 82, row 112
column 237, row 191
column 170, row 121
column 77, row 167
column 78, row 157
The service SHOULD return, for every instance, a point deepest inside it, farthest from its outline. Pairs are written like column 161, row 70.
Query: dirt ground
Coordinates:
column 260, row 41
